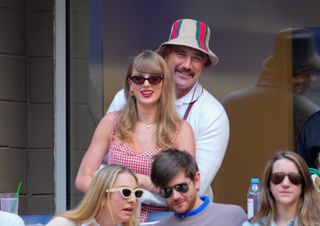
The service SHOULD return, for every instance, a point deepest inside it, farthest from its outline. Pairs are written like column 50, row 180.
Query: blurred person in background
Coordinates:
column 269, row 115
column 308, row 141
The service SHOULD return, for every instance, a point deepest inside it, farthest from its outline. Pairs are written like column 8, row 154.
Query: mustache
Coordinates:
column 177, row 201
column 185, row 71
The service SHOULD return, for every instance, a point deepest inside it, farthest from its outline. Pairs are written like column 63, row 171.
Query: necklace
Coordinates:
column 148, row 125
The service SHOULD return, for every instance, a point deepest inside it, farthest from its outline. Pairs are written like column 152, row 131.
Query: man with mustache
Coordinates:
column 187, row 53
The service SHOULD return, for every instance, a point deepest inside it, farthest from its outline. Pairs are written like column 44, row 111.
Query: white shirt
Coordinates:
column 91, row 222
column 11, row 219
column 210, row 125
column 62, row 221
column 314, row 177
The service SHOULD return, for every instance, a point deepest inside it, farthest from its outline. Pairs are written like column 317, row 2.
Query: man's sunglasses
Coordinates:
column 127, row 192
column 277, row 178
column 167, row 192
column 153, row 79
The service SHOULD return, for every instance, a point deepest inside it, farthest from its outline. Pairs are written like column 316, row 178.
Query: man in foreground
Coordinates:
column 176, row 173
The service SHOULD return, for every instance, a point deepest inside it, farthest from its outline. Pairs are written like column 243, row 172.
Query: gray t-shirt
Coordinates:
column 213, row 215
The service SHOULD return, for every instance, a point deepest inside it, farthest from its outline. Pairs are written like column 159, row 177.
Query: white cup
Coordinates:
column 9, row 202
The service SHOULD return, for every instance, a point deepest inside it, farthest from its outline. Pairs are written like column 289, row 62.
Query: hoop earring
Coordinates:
column 131, row 93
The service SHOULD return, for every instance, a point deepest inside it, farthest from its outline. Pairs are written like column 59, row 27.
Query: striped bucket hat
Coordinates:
column 191, row 33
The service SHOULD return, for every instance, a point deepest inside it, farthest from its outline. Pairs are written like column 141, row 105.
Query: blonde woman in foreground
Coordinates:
column 111, row 199
column 288, row 196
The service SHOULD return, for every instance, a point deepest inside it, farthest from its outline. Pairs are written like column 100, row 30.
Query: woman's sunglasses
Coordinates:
column 153, row 79
column 277, row 178
column 127, row 192
column 167, row 192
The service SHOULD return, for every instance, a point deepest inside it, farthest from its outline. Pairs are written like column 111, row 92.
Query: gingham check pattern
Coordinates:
column 122, row 154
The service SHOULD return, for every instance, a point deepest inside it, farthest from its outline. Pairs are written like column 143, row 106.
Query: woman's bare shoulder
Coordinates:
column 184, row 125
column 110, row 117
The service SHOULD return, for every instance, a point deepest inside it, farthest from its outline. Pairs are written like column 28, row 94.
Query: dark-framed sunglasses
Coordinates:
column 127, row 192
column 277, row 178
column 167, row 192
column 153, row 79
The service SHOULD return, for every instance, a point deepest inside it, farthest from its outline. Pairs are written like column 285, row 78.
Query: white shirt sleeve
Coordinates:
column 118, row 102
column 11, row 219
column 314, row 177
column 210, row 124
column 211, row 147
column 59, row 221
column 152, row 198
column 18, row 222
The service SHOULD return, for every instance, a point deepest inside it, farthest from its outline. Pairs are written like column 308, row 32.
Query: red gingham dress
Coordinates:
column 121, row 153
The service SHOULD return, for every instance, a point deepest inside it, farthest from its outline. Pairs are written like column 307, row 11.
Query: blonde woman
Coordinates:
column 147, row 125
column 110, row 200
column 288, row 196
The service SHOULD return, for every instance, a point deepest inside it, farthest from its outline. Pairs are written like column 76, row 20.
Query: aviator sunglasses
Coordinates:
column 277, row 178
column 127, row 192
column 153, row 79
column 167, row 192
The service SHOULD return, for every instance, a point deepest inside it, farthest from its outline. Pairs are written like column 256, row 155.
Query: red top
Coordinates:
column 121, row 153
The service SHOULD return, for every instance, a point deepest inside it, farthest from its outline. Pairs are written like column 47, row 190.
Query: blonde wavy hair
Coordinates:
column 167, row 118
column 308, row 209
column 90, row 205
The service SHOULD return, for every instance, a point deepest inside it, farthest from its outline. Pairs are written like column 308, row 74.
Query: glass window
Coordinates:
column 267, row 78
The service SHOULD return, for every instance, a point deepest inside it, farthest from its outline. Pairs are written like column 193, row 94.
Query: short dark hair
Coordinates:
column 167, row 164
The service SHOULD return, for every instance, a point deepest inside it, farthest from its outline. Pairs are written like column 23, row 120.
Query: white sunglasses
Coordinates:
column 127, row 192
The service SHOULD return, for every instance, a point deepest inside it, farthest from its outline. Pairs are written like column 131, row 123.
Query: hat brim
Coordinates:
column 311, row 65
column 181, row 41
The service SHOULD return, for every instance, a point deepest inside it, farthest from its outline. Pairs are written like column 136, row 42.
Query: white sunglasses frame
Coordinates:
column 120, row 190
